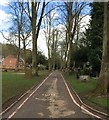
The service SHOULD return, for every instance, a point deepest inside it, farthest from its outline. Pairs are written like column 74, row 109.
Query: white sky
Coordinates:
column 4, row 2
column 4, row 17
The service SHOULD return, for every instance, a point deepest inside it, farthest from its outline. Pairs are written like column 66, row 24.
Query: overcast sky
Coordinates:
column 4, row 24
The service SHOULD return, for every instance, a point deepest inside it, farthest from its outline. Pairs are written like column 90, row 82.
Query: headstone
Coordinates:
column 84, row 78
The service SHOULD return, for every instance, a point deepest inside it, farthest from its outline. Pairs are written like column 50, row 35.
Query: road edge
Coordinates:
column 82, row 105
column 23, row 95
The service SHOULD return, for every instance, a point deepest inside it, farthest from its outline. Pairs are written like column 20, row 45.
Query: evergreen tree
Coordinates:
column 94, row 35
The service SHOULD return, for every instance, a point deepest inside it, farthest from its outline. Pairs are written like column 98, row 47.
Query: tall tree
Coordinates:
column 47, row 30
column 94, row 36
column 17, row 12
column 50, row 35
column 103, row 86
column 55, row 33
column 20, row 29
column 73, row 12
column 35, row 11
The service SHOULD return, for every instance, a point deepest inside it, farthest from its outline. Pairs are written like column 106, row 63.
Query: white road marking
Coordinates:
column 75, row 100
column 27, row 98
column 40, row 99
column 14, row 103
column 41, row 114
column 39, row 87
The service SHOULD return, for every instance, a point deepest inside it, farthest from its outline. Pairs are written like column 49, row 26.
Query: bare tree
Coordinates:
column 47, row 31
column 20, row 29
column 35, row 11
column 54, row 48
column 72, row 14
column 50, row 35
column 24, row 38
column 17, row 12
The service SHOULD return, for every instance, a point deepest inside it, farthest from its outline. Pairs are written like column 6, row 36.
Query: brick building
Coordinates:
column 11, row 63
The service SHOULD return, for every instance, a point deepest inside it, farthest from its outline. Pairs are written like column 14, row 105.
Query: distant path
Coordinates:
column 49, row 100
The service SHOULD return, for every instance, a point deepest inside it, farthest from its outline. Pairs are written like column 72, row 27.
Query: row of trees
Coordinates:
column 89, row 48
column 75, row 48
column 68, row 44
column 60, row 35
column 26, row 22
column 96, row 46
column 34, row 13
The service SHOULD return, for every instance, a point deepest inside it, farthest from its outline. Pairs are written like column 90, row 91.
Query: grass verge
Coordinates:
column 84, row 88
column 101, row 101
column 81, row 87
column 14, row 84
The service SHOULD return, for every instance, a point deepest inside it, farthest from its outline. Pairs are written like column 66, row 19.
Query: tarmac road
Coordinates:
column 49, row 100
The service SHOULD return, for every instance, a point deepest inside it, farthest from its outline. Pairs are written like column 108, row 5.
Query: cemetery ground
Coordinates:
column 15, row 84
column 85, row 91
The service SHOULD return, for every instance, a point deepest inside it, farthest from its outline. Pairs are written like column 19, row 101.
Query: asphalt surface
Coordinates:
column 49, row 100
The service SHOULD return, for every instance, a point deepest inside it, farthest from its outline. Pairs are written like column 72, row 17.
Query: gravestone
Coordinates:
column 84, row 78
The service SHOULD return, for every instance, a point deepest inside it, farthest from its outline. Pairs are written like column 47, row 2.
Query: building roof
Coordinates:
column 10, row 61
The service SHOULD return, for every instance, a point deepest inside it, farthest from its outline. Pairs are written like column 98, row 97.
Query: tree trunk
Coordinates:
column 71, row 43
column 103, row 85
column 34, row 42
column 53, row 50
column 49, row 61
column 49, row 51
column 24, row 46
column 18, row 55
column 35, row 35
column 69, row 30
column 66, row 51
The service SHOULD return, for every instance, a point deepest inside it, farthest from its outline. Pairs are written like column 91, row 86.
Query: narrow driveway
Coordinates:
column 49, row 100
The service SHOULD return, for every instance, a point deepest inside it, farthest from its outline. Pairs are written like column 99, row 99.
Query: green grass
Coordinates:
column 85, row 88
column 102, row 101
column 81, row 87
column 14, row 84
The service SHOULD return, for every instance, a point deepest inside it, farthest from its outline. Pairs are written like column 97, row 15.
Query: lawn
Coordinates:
column 102, row 101
column 83, row 88
column 14, row 84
